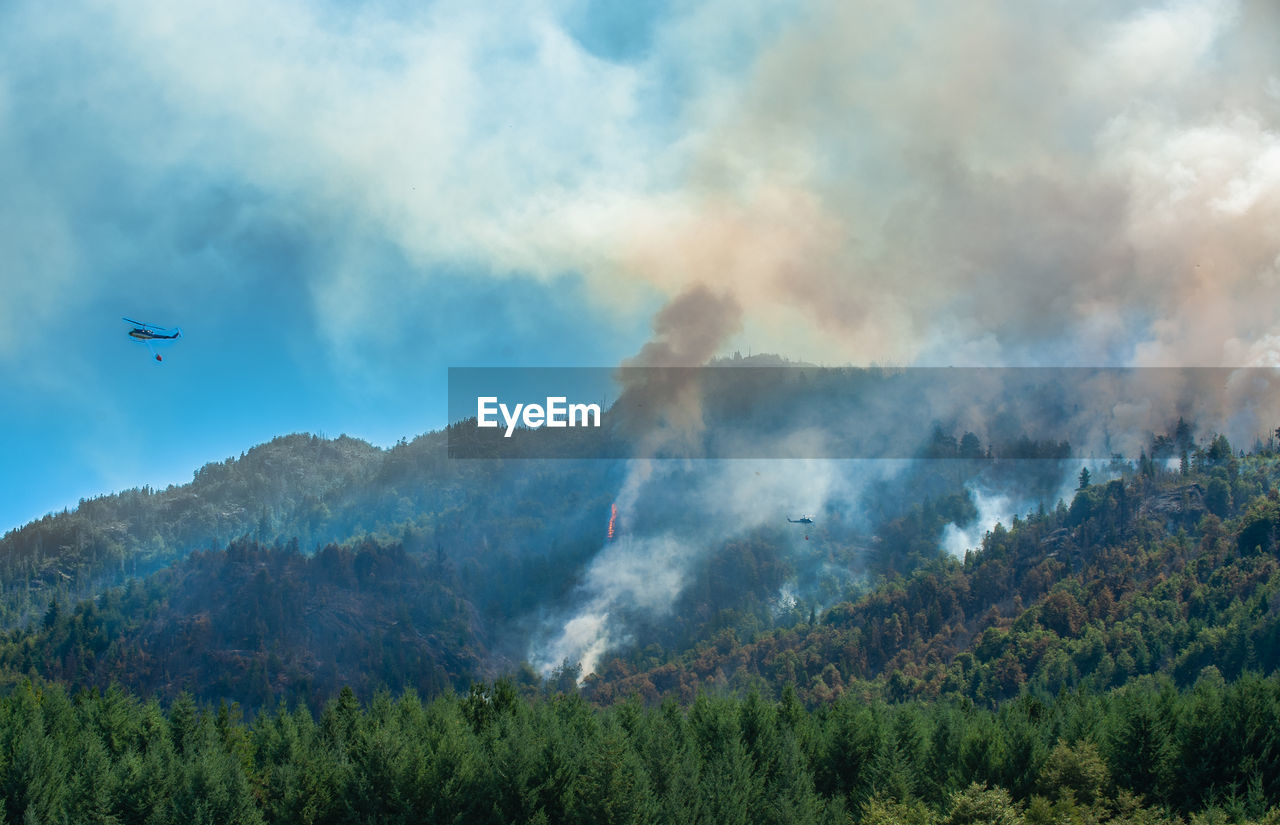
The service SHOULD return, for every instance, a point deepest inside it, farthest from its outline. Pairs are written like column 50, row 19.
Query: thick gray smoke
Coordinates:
column 1078, row 183
column 648, row 573
column 661, row 395
column 690, row 329
column 1084, row 184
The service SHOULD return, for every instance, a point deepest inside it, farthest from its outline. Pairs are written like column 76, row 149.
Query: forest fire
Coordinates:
column 613, row 517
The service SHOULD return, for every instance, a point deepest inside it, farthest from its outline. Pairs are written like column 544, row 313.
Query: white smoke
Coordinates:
column 993, row 509
column 629, row 574
column 646, row 574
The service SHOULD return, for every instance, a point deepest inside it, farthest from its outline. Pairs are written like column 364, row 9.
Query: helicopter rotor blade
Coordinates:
column 151, row 327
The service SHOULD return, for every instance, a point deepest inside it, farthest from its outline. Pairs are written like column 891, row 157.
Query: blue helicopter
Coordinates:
column 147, row 333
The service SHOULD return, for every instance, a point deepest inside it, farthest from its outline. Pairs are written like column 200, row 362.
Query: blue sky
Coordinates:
column 124, row 201
column 337, row 202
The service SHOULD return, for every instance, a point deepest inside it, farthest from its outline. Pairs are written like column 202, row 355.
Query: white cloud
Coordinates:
column 876, row 183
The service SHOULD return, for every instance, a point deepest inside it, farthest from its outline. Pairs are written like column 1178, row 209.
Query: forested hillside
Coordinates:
column 256, row 624
column 1108, row 657
column 1163, row 570
column 132, row 533
column 1159, row 571
column 306, row 491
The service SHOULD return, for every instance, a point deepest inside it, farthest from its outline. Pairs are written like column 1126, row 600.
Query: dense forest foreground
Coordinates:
column 1146, row 753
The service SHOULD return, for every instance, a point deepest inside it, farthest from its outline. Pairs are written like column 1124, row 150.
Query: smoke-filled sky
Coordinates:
column 338, row 201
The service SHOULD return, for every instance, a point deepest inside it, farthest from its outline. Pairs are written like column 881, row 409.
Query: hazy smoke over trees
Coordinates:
column 1082, row 184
